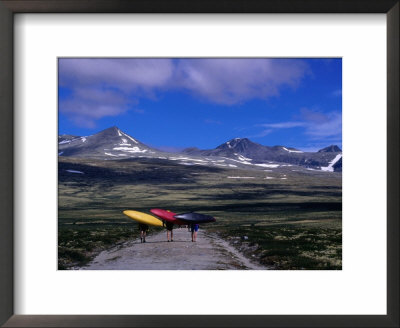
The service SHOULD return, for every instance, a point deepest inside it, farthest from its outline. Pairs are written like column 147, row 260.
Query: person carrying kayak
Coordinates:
column 170, row 227
column 143, row 229
column 194, row 227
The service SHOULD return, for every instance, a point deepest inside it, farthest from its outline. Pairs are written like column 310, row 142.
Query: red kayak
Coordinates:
column 167, row 216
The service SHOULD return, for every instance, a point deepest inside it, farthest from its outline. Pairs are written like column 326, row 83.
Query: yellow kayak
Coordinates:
column 143, row 218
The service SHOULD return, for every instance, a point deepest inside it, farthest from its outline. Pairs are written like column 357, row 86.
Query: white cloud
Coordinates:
column 123, row 73
column 231, row 81
column 88, row 105
column 317, row 125
column 284, row 125
column 105, row 87
column 331, row 128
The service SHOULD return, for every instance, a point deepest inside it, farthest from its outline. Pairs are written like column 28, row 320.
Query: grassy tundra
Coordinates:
column 290, row 220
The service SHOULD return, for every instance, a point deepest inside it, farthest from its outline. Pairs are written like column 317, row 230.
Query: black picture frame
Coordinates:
column 10, row 7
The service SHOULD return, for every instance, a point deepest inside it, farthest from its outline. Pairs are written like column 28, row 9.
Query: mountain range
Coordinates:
column 113, row 143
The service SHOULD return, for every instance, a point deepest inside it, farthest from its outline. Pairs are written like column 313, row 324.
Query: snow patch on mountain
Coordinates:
column 178, row 158
column 65, row 142
column 130, row 149
column 191, row 163
column 74, row 171
column 329, row 168
column 125, row 142
column 198, row 160
column 119, row 155
column 272, row 166
column 239, row 161
column 242, row 158
column 129, row 137
column 292, row 151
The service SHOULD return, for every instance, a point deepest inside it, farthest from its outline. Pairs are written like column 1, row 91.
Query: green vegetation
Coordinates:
column 290, row 221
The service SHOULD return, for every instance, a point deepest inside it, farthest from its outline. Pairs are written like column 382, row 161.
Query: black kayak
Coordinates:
column 194, row 217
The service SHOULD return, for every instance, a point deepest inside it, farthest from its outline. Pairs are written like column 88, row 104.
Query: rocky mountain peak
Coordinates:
column 330, row 149
column 108, row 143
column 110, row 132
column 236, row 144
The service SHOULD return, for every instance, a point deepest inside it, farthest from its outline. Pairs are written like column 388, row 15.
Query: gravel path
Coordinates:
column 208, row 253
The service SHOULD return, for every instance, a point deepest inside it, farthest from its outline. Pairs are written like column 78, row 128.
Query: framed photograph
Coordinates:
column 240, row 160
column 206, row 159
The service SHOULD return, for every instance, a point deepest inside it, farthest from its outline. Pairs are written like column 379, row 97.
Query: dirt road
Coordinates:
column 208, row 253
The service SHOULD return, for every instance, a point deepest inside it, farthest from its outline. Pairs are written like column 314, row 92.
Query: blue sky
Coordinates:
column 176, row 103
